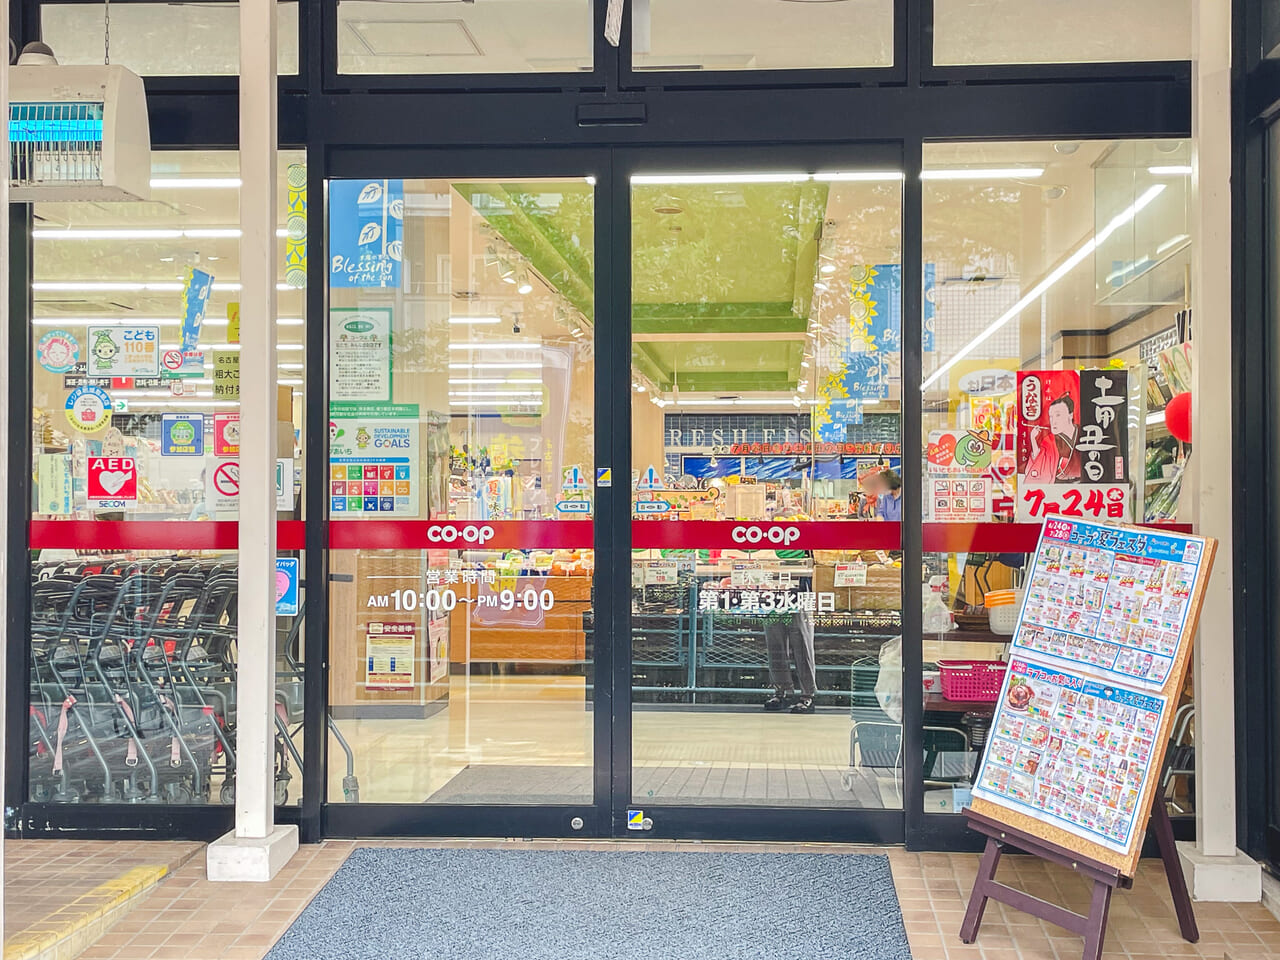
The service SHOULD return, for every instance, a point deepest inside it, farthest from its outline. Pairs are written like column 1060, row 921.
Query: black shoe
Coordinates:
column 804, row 705
column 777, row 702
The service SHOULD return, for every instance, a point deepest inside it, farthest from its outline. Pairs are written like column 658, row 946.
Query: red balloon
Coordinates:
column 1177, row 417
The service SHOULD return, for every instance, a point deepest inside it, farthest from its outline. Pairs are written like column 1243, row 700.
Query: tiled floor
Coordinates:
column 188, row 918
column 45, row 874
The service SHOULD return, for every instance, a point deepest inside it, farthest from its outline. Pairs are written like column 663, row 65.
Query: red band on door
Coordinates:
column 765, row 535
column 461, row 534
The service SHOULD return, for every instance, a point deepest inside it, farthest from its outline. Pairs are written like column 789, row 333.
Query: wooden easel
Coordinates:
column 1093, row 926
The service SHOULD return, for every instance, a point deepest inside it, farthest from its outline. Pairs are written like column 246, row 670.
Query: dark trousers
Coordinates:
column 787, row 641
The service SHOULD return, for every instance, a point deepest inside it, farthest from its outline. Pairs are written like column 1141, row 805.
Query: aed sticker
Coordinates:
column 604, row 476
column 635, row 819
column 88, row 409
column 112, row 480
column 58, row 351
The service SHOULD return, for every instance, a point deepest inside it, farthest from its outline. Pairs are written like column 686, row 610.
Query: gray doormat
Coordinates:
column 465, row 904
column 693, row 785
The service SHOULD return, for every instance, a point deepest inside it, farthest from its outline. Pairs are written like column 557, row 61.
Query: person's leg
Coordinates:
column 800, row 634
column 776, row 643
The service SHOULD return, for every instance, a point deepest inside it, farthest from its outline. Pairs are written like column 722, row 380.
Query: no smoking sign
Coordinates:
column 223, row 490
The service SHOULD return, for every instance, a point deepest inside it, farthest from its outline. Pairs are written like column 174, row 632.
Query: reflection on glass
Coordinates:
column 498, row 36
column 133, row 651
column 1045, row 31
column 461, row 365
column 760, row 34
column 1054, row 288
column 135, row 398
column 162, row 39
column 765, row 595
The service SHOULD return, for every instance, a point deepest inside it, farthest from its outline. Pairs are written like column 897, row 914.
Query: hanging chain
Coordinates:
column 106, row 40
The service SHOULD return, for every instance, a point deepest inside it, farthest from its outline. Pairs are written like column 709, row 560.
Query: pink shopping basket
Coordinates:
column 977, row 680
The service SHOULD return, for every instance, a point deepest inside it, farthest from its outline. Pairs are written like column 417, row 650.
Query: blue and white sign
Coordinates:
column 366, row 233
column 652, row 506
column 195, row 298
column 286, row 586
column 574, row 506
column 651, row 479
column 182, row 435
column 574, row 479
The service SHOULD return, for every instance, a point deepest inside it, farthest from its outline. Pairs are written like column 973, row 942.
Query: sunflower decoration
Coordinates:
column 860, row 276
column 862, row 310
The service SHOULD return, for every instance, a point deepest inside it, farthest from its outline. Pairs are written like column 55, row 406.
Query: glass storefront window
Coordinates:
column 1048, row 31
column 761, row 34
column 162, row 39
column 1054, row 272
column 766, row 597
column 135, row 419
column 461, row 416
column 499, row 36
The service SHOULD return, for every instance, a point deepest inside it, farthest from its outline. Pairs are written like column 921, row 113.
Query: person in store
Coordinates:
column 889, row 503
column 788, row 637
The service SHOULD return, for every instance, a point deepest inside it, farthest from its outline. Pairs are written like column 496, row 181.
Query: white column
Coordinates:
column 1216, row 869
column 257, row 848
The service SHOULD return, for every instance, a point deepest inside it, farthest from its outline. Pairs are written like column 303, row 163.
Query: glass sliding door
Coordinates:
column 766, row 490
column 461, row 459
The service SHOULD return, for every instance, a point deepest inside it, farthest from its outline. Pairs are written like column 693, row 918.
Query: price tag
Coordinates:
column 851, row 574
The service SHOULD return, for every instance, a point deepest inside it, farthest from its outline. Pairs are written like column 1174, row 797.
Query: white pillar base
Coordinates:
column 1271, row 893
column 1236, row 879
column 253, row 859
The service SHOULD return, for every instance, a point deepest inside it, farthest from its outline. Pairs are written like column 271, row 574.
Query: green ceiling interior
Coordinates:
column 713, row 260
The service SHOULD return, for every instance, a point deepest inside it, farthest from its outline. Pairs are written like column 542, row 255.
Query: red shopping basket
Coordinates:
column 977, row 680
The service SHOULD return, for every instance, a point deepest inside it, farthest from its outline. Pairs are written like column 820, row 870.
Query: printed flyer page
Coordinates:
column 1111, row 599
column 1071, row 752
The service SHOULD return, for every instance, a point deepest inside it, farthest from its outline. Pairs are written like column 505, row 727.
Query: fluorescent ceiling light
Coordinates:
column 495, row 393
column 1155, row 418
column 983, row 173
column 127, row 286
column 126, row 233
column 292, row 366
column 495, row 403
column 474, row 320
column 1178, row 170
column 797, row 177
column 495, row 346
column 495, row 366
column 181, row 183
column 1119, row 220
column 491, row 381
column 694, row 178
column 878, row 176
column 289, row 383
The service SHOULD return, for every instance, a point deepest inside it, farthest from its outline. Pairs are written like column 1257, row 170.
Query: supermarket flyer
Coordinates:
column 1072, row 752
column 1112, row 599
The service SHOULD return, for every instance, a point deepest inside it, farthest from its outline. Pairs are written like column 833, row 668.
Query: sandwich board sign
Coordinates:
column 1073, row 763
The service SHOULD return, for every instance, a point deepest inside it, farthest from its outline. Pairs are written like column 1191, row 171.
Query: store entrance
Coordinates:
column 503, row 442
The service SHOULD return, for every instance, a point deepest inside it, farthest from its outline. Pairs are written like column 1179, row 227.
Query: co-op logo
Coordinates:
column 784, row 535
column 468, row 534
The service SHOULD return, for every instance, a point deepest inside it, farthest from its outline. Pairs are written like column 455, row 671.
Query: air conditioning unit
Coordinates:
column 76, row 133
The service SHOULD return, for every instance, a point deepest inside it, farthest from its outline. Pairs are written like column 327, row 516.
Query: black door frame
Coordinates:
column 615, row 107
column 338, row 819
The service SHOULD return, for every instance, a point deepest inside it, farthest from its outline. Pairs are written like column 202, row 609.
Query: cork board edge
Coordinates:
column 1127, row 862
